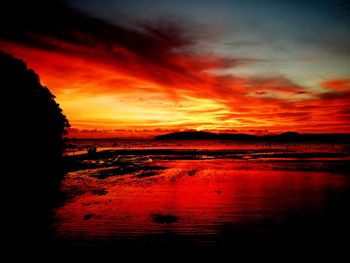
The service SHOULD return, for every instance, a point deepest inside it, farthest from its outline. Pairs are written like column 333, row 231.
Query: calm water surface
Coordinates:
column 205, row 203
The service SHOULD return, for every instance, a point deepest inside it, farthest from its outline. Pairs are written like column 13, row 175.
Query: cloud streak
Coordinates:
column 151, row 76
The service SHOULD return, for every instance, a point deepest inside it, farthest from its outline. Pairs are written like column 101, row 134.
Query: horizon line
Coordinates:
column 218, row 133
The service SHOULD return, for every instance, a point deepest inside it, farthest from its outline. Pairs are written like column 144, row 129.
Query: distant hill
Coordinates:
column 189, row 135
column 283, row 137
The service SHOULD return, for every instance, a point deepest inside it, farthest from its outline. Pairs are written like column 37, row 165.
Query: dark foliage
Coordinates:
column 34, row 131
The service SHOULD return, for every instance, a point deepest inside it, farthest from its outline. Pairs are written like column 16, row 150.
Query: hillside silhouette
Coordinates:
column 35, row 127
column 283, row 137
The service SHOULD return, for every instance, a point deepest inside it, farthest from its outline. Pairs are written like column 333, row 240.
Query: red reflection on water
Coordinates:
column 203, row 195
column 213, row 145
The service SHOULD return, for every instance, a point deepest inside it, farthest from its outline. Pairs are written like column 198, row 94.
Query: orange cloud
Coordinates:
column 101, row 95
column 337, row 85
column 112, row 80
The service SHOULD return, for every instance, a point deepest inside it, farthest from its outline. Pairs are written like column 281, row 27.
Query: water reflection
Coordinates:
column 202, row 202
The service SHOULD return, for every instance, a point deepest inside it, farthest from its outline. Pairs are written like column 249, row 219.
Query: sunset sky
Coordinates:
column 140, row 68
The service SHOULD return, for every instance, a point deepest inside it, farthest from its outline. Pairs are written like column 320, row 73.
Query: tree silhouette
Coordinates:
column 35, row 127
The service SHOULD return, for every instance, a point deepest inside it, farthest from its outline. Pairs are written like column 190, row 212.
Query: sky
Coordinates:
column 139, row 68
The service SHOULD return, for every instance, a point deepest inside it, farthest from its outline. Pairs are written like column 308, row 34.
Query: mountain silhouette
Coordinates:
column 283, row 137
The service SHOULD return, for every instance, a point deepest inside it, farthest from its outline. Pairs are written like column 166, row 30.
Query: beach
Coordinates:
column 199, row 199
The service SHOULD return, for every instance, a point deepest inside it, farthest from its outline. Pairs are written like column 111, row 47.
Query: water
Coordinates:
column 80, row 146
column 207, row 203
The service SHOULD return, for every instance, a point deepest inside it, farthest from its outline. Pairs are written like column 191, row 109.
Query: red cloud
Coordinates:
column 107, row 76
column 337, row 84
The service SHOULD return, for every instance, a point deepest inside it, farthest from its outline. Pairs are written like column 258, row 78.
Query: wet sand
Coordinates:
column 165, row 203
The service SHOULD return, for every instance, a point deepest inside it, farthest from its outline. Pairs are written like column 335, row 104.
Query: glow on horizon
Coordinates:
column 162, row 78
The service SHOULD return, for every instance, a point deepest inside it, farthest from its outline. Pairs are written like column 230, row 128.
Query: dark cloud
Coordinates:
column 53, row 25
column 162, row 53
column 332, row 95
column 341, row 11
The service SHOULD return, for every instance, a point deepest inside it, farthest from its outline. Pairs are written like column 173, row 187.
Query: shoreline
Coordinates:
column 238, row 153
column 132, row 160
